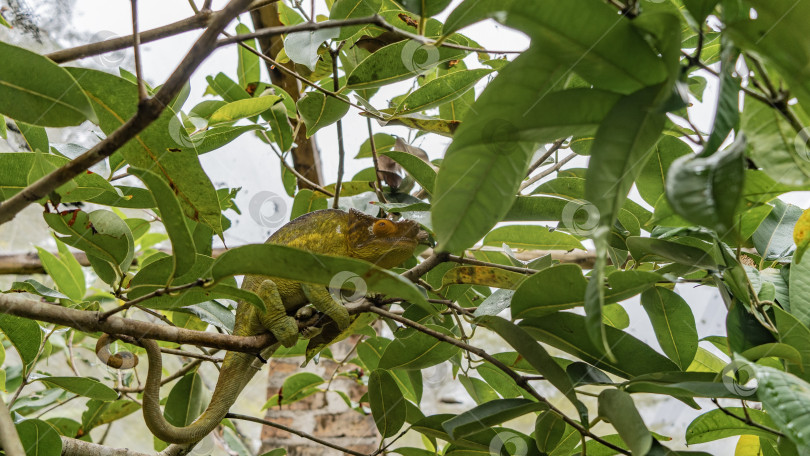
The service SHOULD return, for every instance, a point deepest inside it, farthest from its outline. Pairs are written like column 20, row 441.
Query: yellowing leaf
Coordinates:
column 801, row 234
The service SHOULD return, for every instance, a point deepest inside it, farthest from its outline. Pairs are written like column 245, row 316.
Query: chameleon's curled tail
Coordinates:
column 237, row 369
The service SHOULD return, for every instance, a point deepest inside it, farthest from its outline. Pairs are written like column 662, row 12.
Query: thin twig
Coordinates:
column 24, row 381
column 136, row 47
column 301, row 177
column 424, row 267
column 378, row 188
column 555, row 146
column 474, row 262
column 746, row 420
column 339, row 124
column 548, row 171
column 238, row 416
column 154, row 294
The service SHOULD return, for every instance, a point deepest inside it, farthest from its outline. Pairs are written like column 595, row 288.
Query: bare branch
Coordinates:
column 8, row 433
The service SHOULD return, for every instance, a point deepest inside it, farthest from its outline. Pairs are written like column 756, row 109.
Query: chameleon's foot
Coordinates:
column 323, row 301
column 286, row 330
column 341, row 316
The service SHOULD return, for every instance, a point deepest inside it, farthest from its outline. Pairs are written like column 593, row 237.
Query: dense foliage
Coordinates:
column 607, row 80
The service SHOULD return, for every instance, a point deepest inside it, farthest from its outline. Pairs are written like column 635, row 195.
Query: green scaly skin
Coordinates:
column 328, row 231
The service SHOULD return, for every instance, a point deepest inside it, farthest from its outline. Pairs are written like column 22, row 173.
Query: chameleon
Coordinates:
column 354, row 234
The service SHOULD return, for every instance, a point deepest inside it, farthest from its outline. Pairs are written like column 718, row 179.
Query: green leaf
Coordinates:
column 706, row 190
column 397, row 62
column 422, row 172
column 83, row 386
column 716, row 424
column 483, row 167
column 100, row 412
column 67, row 279
column 800, row 291
column 621, row 148
column 425, row 8
column 589, row 39
column 673, row 323
column 248, row 67
column 39, row 438
column 305, row 202
column 485, row 416
column 777, row 350
column 16, row 168
column 727, row 115
column 532, row 237
column 416, row 350
column 186, row 400
column 646, row 249
column 24, row 334
column 482, row 275
column 299, row 386
column 793, row 333
column 652, row 179
column 280, row 125
column 563, row 287
column 101, row 234
column 164, row 146
column 183, row 251
column 51, row 99
column 440, row 90
column 786, row 398
column 291, row 263
column 537, row 356
column 240, row 109
column 478, row 389
column 35, row 137
column 773, row 238
column 318, row 111
column 618, row 408
column 382, row 142
column 566, row 331
column 34, row 287
column 386, row 401
column 348, row 9
column 700, row 9
column 550, row 431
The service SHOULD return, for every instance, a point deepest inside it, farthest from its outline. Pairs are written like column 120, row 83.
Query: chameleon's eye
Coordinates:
column 384, row 228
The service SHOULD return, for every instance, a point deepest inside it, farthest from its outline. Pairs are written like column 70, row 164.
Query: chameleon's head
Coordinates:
column 381, row 241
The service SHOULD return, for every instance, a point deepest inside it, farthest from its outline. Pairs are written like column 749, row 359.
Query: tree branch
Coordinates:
column 198, row 21
column 148, row 111
column 238, row 416
column 9, row 440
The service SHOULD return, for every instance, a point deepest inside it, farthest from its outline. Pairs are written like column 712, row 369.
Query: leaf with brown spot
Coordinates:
column 482, row 275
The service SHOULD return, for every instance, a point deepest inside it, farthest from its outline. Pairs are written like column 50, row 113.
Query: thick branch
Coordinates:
column 88, row 321
column 9, row 440
column 148, row 111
